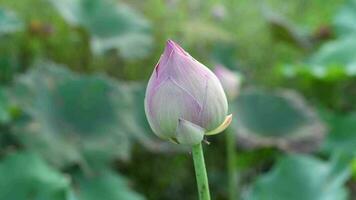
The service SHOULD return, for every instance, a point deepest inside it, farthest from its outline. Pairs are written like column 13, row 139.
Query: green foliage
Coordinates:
column 9, row 22
column 300, row 177
column 342, row 134
column 339, row 52
column 276, row 119
column 85, row 124
column 344, row 21
column 26, row 176
column 334, row 59
column 107, row 185
column 72, row 115
column 5, row 114
column 111, row 25
column 282, row 29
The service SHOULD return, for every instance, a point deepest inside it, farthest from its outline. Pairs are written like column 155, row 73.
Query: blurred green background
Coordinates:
column 72, row 82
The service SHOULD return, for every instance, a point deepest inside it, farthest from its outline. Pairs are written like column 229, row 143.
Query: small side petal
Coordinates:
column 222, row 126
column 189, row 133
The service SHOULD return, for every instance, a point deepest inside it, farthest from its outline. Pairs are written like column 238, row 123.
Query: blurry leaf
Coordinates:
column 5, row 115
column 345, row 19
column 108, row 185
column 281, row 119
column 9, row 63
column 298, row 177
column 73, row 115
column 340, row 53
column 25, row 176
column 112, row 25
column 284, row 30
column 334, row 60
column 225, row 53
column 9, row 45
column 342, row 134
column 70, row 10
column 9, row 22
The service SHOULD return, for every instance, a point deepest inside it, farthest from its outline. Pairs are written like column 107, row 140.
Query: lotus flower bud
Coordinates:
column 231, row 81
column 184, row 99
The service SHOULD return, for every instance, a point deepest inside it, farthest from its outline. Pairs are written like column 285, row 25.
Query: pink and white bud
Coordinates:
column 183, row 95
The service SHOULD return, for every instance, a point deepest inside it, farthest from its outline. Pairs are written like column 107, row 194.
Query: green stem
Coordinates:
column 232, row 173
column 200, row 172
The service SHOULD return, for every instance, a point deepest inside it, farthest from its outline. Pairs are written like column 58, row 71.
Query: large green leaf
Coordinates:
column 25, row 176
column 73, row 115
column 282, row 119
column 107, row 185
column 334, row 60
column 297, row 177
column 339, row 53
column 342, row 134
column 345, row 19
column 9, row 22
column 112, row 25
